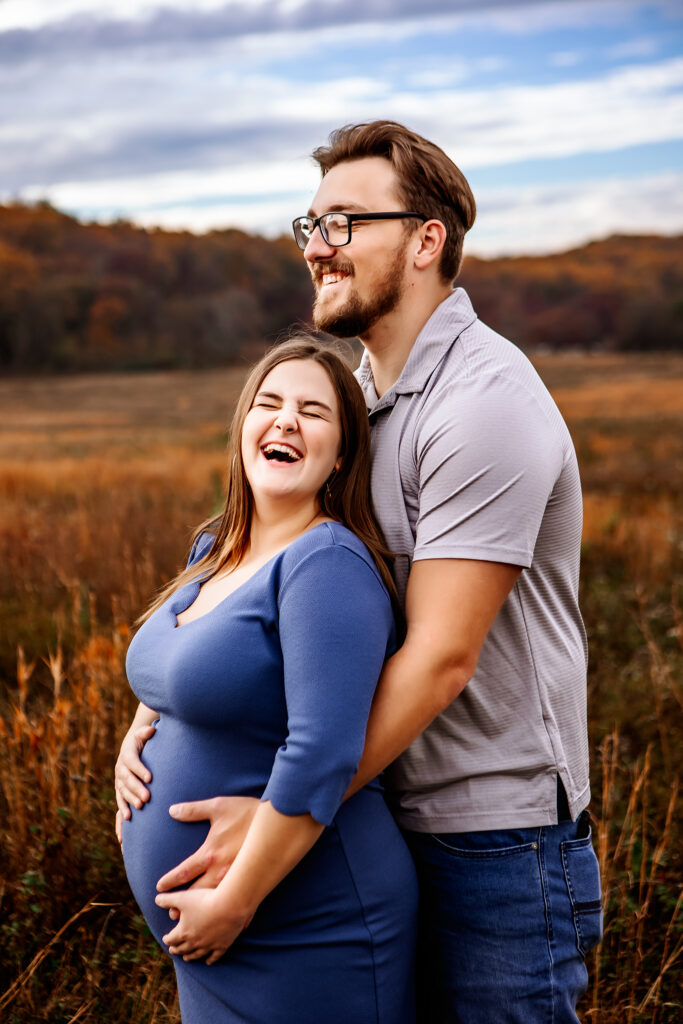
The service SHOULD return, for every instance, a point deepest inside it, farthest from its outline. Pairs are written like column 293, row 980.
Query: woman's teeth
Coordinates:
column 281, row 453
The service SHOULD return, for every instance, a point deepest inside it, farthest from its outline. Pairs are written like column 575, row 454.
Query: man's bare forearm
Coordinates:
column 411, row 693
column 439, row 655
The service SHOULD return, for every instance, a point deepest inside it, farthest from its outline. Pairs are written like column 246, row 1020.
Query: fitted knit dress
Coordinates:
column 268, row 695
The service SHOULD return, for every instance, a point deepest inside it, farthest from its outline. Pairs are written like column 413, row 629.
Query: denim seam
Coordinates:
column 578, row 908
column 548, row 918
column 503, row 851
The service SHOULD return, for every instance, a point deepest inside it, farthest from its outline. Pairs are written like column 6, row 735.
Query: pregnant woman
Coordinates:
column 255, row 671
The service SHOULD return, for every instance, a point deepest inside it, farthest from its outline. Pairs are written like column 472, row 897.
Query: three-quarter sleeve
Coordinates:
column 335, row 624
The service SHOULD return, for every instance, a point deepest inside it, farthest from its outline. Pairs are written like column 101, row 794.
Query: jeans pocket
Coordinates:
column 486, row 845
column 582, row 874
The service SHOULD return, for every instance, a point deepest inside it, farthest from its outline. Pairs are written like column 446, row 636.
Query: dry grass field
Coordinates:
column 102, row 480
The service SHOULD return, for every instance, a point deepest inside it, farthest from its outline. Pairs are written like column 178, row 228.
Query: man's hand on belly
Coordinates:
column 230, row 818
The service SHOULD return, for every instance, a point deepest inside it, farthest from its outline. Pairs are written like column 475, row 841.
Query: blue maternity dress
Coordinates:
column 268, row 695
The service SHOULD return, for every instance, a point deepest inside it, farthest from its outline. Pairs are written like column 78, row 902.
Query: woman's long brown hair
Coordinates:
column 344, row 498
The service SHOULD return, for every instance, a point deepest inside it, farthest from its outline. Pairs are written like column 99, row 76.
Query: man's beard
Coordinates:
column 356, row 317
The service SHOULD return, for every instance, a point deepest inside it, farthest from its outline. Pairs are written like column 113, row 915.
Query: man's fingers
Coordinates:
column 173, row 913
column 118, row 826
column 216, row 955
column 145, row 732
column 184, row 872
column 123, row 808
column 136, row 773
column 131, row 789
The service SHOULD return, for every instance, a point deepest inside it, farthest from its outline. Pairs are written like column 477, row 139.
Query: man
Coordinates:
column 481, row 713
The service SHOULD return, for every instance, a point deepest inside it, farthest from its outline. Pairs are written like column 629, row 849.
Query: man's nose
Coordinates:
column 317, row 248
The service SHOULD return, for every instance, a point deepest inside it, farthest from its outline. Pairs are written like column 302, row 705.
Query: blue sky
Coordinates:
column 567, row 117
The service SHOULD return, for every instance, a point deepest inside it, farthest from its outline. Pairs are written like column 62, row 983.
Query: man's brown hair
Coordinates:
column 429, row 181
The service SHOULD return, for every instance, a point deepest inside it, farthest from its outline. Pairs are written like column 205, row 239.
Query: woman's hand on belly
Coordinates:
column 208, row 923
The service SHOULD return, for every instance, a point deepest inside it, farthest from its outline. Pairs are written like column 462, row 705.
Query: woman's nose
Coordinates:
column 286, row 420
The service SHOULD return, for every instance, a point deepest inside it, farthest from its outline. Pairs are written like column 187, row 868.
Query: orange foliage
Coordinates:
column 91, row 296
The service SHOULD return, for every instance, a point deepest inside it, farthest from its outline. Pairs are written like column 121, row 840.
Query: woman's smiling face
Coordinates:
column 291, row 436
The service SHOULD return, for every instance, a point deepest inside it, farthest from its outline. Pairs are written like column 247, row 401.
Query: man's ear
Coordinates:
column 431, row 239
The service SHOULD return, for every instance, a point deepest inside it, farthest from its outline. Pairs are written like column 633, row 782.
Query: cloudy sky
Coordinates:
column 566, row 116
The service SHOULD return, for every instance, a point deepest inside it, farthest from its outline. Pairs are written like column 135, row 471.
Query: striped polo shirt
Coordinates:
column 472, row 459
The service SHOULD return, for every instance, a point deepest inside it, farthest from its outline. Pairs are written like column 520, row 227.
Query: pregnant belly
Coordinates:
column 186, row 764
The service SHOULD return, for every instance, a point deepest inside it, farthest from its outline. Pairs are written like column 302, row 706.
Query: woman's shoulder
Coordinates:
column 330, row 535
column 327, row 544
column 201, row 546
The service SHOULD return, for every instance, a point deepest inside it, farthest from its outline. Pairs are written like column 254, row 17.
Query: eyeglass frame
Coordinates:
column 351, row 218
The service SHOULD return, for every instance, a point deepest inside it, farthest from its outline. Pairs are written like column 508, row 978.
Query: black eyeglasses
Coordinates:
column 336, row 227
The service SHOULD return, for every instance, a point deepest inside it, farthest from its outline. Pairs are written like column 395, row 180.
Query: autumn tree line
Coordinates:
column 82, row 297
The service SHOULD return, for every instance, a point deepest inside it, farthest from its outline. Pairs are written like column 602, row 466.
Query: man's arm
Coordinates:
column 450, row 607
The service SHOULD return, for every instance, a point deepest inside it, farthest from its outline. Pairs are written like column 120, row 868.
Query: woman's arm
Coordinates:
column 211, row 919
column 335, row 622
column 130, row 773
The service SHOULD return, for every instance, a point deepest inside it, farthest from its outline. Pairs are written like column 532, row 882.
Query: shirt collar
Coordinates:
column 444, row 326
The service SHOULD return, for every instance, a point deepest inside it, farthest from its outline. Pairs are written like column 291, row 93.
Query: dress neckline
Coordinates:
column 196, row 585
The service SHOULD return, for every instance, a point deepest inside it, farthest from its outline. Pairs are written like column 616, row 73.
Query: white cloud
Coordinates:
column 520, row 19
column 248, row 183
column 209, row 114
column 645, row 46
column 629, row 107
column 264, row 218
column 34, row 13
column 532, row 220
column 557, row 217
column 565, row 59
column 205, row 135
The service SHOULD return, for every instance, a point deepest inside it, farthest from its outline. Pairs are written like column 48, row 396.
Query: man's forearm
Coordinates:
column 411, row 692
column 439, row 655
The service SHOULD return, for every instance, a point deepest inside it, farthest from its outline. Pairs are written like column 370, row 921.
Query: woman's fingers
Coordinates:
column 119, row 826
column 174, row 938
column 197, row 954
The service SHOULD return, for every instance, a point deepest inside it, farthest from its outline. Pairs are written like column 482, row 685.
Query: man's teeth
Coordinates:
column 333, row 278
column 281, row 452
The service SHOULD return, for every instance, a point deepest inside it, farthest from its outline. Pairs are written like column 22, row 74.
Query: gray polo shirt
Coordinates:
column 472, row 459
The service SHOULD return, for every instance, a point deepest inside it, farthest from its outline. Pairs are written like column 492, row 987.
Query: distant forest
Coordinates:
column 77, row 297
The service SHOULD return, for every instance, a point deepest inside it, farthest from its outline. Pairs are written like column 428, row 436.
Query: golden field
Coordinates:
column 102, row 479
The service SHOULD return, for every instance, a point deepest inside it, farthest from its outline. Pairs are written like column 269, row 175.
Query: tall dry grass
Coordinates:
column 85, row 537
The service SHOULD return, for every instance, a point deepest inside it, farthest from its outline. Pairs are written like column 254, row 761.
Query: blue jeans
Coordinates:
column 506, row 919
